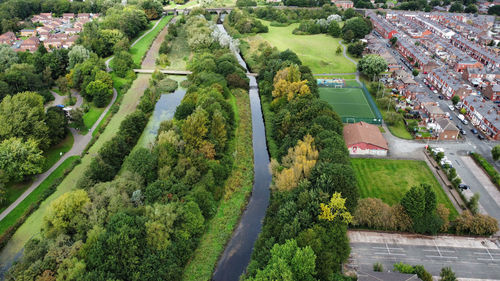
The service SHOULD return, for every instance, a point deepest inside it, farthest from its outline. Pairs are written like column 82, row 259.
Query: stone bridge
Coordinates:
column 186, row 11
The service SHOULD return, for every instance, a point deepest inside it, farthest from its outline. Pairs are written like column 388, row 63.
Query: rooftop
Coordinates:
column 364, row 133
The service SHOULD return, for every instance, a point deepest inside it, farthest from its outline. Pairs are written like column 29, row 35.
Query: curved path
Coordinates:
column 79, row 145
column 135, row 42
column 344, row 52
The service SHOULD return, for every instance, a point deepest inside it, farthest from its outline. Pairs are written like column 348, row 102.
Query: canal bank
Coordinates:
column 238, row 251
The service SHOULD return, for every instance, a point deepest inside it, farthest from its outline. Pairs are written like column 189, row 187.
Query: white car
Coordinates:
column 435, row 92
column 451, row 107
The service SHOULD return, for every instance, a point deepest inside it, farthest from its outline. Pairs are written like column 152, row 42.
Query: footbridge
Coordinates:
column 174, row 72
column 186, row 11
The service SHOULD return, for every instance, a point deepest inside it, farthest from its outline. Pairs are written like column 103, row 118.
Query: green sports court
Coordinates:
column 351, row 104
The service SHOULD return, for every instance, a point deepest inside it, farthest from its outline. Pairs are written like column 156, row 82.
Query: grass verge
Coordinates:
column 140, row 48
column 237, row 189
column 11, row 219
column 490, row 170
column 389, row 180
column 54, row 153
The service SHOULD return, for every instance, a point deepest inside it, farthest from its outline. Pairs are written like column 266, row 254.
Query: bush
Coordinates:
column 167, row 85
column 378, row 267
column 490, row 170
column 477, row 224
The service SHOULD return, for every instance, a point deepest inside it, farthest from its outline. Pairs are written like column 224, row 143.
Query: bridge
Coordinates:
column 175, row 72
column 186, row 11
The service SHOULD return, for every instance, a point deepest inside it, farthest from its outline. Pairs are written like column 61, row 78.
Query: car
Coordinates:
column 440, row 97
column 60, row 105
column 451, row 118
column 451, row 107
column 435, row 92
column 463, row 132
column 459, row 127
column 463, row 186
column 432, row 88
column 425, row 72
column 481, row 137
column 473, row 130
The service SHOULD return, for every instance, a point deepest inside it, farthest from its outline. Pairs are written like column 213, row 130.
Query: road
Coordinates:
column 468, row 257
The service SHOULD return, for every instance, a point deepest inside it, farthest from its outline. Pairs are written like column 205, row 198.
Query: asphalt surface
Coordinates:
column 480, row 263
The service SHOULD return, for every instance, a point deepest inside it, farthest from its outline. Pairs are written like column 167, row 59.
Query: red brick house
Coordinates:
column 485, row 115
column 8, row 38
column 365, row 139
column 492, row 92
column 446, row 130
column 461, row 65
column 30, row 44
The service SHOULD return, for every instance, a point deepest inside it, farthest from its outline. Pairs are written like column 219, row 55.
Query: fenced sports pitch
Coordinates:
column 353, row 104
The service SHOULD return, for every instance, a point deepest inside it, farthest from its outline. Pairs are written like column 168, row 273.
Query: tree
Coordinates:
column 67, row 214
column 8, row 57
column 456, row 7
column 122, row 63
column 142, row 162
column 100, row 92
column 23, row 116
column 455, row 99
column 350, row 13
column 420, row 204
column 334, row 29
column 20, row 158
column 289, row 262
column 57, row 124
column 195, row 128
column 447, row 274
column 358, row 26
column 372, row 65
column 494, row 10
column 348, row 36
column 471, row 8
column 335, row 211
column 495, row 152
column 76, row 117
column 159, row 226
column 393, row 40
column 23, row 77
column 76, row 55
column 356, row 49
column 339, row 50
column 152, row 8
column 415, row 72
column 298, row 164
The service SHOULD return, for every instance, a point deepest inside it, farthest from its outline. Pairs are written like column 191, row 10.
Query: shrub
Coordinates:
column 490, row 170
column 404, row 268
column 477, row 224
column 378, row 267
column 167, row 85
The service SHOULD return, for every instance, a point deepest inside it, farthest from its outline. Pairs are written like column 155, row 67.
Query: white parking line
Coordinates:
column 441, row 257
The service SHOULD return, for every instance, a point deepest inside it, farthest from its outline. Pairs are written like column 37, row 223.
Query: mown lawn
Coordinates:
column 139, row 50
column 390, row 179
column 316, row 51
column 13, row 216
column 92, row 115
column 237, row 189
column 54, row 153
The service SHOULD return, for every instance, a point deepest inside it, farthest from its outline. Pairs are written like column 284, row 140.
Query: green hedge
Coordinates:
column 490, row 170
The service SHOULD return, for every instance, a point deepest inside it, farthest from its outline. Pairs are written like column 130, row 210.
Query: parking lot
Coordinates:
column 468, row 257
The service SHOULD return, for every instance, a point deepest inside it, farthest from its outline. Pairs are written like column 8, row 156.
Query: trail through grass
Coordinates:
column 139, row 50
column 316, row 51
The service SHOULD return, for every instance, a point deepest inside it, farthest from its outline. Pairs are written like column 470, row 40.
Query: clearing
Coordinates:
column 316, row 51
column 389, row 180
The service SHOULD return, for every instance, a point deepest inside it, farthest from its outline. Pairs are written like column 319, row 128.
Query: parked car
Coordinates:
column 463, row 132
column 451, row 107
column 481, row 137
column 463, row 186
column 440, row 97
column 473, row 130
column 432, row 88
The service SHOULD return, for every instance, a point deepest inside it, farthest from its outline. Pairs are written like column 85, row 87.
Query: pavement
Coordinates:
column 468, row 257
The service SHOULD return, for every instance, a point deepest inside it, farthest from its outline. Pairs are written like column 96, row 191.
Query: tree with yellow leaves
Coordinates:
column 298, row 163
column 335, row 210
column 287, row 84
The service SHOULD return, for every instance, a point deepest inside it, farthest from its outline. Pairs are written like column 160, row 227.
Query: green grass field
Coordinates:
column 316, row 51
column 347, row 102
column 390, row 179
column 140, row 49
column 91, row 116
column 13, row 216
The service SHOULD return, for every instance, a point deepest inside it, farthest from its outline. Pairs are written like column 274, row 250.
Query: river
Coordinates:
column 238, row 251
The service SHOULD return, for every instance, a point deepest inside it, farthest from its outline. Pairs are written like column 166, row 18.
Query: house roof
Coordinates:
column 446, row 124
column 433, row 109
column 364, row 132
column 386, row 276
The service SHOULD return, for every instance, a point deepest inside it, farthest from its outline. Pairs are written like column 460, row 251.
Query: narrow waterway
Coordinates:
column 236, row 256
column 164, row 110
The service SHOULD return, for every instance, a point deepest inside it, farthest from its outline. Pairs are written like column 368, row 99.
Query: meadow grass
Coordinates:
column 316, row 51
column 389, row 179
